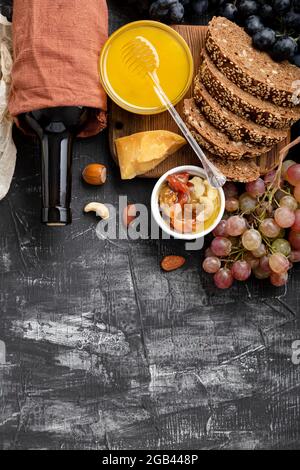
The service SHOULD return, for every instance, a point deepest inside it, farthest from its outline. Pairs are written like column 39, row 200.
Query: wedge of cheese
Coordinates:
column 142, row 152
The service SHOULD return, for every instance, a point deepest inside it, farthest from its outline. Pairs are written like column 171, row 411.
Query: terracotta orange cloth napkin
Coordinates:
column 57, row 44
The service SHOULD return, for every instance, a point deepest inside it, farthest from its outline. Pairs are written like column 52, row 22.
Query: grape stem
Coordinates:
column 268, row 244
column 239, row 254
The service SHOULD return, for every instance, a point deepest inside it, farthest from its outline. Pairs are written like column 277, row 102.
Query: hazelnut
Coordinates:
column 94, row 174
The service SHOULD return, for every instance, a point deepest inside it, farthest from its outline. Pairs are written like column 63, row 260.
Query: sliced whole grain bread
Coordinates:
column 230, row 48
column 243, row 103
column 236, row 127
column 244, row 170
column 214, row 140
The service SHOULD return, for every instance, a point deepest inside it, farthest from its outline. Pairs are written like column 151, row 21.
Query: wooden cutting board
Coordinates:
column 123, row 123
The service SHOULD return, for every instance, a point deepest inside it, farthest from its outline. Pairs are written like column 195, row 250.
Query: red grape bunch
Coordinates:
column 260, row 231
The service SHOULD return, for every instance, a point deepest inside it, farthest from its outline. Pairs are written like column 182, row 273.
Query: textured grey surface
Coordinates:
column 104, row 351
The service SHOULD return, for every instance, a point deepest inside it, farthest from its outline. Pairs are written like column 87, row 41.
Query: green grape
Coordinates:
column 289, row 202
column 281, row 246
column 251, row 239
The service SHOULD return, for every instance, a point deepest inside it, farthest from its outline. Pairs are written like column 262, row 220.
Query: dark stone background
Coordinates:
column 105, row 351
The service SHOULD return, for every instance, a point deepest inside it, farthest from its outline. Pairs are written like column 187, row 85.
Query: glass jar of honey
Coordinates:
column 136, row 93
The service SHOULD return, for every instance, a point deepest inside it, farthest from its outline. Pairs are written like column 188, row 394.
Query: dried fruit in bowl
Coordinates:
column 188, row 203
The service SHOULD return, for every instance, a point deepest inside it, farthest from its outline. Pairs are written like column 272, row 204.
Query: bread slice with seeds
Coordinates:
column 214, row 140
column 237, row 128
column 230, row 48
column 243, row 103
column 243, row 171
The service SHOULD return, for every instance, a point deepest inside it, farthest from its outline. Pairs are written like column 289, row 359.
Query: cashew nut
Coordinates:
column 100, row 209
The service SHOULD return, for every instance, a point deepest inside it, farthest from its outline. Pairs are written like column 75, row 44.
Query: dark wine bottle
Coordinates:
column 56, row 129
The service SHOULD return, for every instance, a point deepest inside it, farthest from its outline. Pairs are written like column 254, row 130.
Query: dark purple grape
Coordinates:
column 284, row 49
column 176, row 12
column 158, row 11
column 292, row 20
column 296, row 60
column 296, row 4
column 247, row 8
column 264, row 39
column 266, row 11
column 281, row 6
column 216, row 3
column 253, row 24
column 229, row 11
column 167, row 10
column 200, row 6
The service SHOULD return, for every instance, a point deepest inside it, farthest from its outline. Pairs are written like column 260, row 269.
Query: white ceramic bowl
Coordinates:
column 194, row 171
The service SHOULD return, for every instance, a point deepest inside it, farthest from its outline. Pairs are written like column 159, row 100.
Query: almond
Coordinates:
column 171, row 263
column 129, row 214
